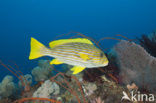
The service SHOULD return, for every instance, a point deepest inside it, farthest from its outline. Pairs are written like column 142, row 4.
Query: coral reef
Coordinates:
column 66, row 88
column 94, row 74
column 36, row 100
column 149, row 43
column 136, row 65
column 97, row 100
column 47, row 89
column 89, row 88
column 72, row 91
column 131, row 68
column 43, row 71
column 107, row 92
column 27, row 79
column 7, row 87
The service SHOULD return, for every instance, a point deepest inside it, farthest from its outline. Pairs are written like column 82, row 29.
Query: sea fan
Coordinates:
column 135, row 64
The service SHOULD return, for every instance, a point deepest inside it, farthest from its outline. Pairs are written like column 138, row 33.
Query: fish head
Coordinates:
column 100, row 60
column 103, row 59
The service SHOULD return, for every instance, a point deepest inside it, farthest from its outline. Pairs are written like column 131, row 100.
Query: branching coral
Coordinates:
column 149, row 43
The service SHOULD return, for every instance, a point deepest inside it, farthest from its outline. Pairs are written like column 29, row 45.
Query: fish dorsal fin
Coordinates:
column 64, row 41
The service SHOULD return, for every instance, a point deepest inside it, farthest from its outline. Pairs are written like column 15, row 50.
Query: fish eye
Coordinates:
column 101, row 54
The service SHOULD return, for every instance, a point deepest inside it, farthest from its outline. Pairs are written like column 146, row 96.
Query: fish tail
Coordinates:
column 37, row 49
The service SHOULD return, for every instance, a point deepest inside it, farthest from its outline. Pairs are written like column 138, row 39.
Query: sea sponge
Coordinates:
column 43, row 71
column 47, row 89
column 7, row 87
column 135, row 64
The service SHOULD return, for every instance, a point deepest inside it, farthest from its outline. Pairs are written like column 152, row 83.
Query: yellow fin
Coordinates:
column 84, row 56
column 36, row 48
column 77, row 69
column 56, row 62
column 63, row 41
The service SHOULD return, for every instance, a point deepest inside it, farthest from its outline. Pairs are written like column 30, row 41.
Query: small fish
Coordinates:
column 79, row 52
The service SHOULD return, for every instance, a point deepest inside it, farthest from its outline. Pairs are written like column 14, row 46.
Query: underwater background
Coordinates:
column 46, row 19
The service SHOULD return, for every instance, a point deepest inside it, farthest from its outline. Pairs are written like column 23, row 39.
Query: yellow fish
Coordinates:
column 78, row 52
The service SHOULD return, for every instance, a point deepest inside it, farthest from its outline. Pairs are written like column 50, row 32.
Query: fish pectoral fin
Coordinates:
column 85, row 57
column 77, row 69
column 56, row 62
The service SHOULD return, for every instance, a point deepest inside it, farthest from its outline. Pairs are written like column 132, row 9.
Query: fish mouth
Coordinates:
column 105, row 63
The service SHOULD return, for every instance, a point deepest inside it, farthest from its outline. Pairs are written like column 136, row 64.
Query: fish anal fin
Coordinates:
column 77, row 69
column 56, row 62
column 63, row 41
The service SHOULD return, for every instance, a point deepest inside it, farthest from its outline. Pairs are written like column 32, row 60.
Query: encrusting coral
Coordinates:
column 136, row 65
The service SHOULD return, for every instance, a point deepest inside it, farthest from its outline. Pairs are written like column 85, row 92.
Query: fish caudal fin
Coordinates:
column 36, row 49
column 77, row 69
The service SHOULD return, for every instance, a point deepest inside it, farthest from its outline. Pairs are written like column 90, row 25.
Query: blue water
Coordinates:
column 45, row 19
